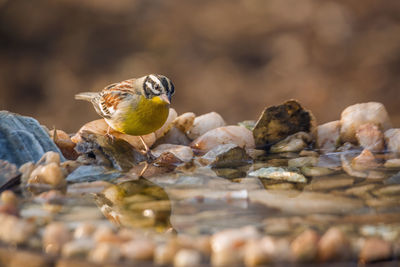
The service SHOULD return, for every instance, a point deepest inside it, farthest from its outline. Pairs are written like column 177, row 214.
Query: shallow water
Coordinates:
column 201, row 203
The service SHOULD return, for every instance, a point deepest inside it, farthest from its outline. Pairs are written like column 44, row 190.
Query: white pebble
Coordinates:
column 392, row 139
column 105, row 253
column 237, row 135
column 205, row 123
column 185, row 121
column 187, row 258
column 49, row 174
column 356, row 115
column 141, row 249
column 370, row 137
column 14, row 230
column 55, row 235
column 328, row 136
column 77, row 248
column 50, row 157
column 184, row 153
column 84, row 230
column 165, row 253
column 9, row 198
column 228, row 245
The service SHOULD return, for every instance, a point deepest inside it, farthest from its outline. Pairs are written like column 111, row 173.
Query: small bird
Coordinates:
column 135, row 106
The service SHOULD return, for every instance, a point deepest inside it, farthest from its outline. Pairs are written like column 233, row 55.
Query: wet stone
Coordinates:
column 278, row 122
column 184, row 153
column 226, row 156
column 392, row 163
column 370, row 137
column 328, row 136
column 362, row 170
column 229, row 173
column 303, row 161
column 279, row 186
column 392, row 138
column 277, row 173
column 292, row 143
column 360, row 190
column 90, row 173
column 317, row 171
column 296, row 202
column 387, row 190
column 328, row 183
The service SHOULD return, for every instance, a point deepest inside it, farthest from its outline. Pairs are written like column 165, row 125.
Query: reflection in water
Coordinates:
column 137, row 203
column 197, row 205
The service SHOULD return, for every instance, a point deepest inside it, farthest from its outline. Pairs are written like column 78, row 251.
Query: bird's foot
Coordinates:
column 111, row 137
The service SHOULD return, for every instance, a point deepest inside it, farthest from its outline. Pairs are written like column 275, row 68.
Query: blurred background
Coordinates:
column 234, row 57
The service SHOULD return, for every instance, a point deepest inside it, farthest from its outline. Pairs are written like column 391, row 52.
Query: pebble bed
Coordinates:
column 279, row 190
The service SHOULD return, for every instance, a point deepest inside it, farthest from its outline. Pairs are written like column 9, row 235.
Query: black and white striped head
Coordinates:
column 157, row 85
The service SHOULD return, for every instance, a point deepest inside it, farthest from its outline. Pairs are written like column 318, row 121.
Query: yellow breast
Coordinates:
column 146, row 117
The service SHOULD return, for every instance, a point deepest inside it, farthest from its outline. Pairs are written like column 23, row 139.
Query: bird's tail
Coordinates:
column 88, row 96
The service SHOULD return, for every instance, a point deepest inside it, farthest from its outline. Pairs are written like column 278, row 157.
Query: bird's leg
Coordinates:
column 144, row 169
column 150, row 156
column 110, row 135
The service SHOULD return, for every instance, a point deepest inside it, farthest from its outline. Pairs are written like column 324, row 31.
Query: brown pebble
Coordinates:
column 305, row 246
column 333, row 246
column 375, row 249
column 8, row 197
column 55, row 236
column 65, row 144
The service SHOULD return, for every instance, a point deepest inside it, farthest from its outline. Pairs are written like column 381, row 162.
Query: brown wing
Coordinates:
column 112, row 95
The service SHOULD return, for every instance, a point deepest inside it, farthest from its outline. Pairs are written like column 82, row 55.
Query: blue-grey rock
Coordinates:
column 22, row 139
column 90, row 173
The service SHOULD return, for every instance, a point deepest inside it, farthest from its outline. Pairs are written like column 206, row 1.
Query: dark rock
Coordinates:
column 278, row 122
column 226, row 156
column 102, row 150
column 22, row 139
column 9, row 175
column 229, row 173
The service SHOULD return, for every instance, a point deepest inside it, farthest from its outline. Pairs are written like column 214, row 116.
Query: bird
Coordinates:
column 136, row 106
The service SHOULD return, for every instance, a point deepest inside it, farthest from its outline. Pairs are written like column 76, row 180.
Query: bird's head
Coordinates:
column 158, row 85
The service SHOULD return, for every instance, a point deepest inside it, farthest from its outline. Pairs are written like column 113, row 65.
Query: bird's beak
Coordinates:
column 165, row 98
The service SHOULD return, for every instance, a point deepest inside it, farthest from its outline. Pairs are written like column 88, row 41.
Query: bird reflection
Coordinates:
column 136, row 203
